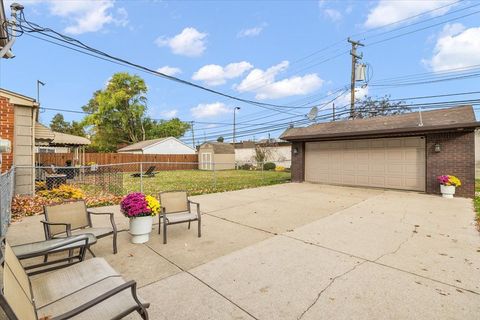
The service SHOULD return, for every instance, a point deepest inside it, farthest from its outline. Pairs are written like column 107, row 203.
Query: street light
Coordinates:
column 234, row 110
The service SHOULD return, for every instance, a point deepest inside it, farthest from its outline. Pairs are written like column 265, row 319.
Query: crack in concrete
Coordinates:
column 327, row 287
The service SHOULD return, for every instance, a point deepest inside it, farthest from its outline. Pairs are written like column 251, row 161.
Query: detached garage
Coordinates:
column 404, row 152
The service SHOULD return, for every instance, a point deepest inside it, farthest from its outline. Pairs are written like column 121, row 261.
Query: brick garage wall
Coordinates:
column 457, row 157
column 298, row 162
column 6, row 130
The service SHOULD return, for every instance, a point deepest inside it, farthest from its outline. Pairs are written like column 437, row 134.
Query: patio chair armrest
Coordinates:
column 46, row 224
column 111, row 214
column 198, row 207
column 132, row 285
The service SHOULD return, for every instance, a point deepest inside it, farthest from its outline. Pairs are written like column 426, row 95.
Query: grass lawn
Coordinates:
column 201, row 182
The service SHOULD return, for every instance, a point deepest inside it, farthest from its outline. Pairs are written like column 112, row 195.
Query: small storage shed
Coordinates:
column 216, row 156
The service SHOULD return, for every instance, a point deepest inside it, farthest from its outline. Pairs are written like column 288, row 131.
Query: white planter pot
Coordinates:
column 447, row 191
column 140, row 229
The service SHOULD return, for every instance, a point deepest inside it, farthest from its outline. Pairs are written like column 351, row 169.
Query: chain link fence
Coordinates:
column 154, row 177
column 6, row 195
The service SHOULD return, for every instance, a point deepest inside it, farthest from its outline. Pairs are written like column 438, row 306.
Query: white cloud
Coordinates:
column 251, row 32
column 206, row 110
column 190, row 42
column 333, row 15
column 214, row 75
column 88, row 16
column 263, row 83
column 169, row 71
column 386, row 12
column 456, row 47
column 169, row 114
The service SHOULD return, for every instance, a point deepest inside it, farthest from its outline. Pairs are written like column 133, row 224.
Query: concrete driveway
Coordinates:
column 305, row 251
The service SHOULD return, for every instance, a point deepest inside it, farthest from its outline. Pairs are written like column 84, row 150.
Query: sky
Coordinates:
column 285, row 53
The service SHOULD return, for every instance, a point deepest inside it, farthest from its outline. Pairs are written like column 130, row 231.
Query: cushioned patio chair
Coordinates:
column 176, row 208
column 73, row 218
column 88, row 290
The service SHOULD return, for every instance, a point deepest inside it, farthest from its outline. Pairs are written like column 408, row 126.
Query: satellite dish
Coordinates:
column 312, row 115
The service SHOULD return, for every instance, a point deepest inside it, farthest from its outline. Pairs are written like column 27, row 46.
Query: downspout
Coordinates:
column 34, row 120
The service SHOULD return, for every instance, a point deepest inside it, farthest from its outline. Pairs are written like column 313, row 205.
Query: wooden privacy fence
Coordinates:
column 160, row 161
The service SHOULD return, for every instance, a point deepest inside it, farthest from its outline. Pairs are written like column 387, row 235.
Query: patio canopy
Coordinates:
column 46, row 137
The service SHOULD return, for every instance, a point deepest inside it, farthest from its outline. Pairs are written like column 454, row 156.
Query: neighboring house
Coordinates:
column 17, row 124
column 276, row 151
column 216, row 156
column 405, row 151
column 168, row 145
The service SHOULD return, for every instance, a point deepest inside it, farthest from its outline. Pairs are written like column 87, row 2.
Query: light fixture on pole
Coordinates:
column 38, row 90
column 234, row 110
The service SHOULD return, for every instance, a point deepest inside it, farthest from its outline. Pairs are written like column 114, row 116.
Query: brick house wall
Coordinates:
column 457, row 157
column 298, row 162
column 6, row 130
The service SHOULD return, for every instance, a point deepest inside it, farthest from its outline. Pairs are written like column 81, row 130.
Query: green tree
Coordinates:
column 372, row 107
column 165, row 128
column 117, row 115
column 59, row 124
column 220, row 139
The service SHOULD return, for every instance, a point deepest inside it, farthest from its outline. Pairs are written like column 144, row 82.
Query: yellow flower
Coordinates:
column 454, row 181
column 153, row 205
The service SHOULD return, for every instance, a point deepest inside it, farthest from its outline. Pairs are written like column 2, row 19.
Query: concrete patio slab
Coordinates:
column 376, row 292
column 293, row 209
column 135, row 261
column 219, row 238
column 438, row 257
column 340, row 253
column 183, row 297
column 356, row 231
column 275, row 279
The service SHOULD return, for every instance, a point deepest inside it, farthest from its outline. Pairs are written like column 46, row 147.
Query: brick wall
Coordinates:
column 457, row 157
column 6, row 130
column 298, row 160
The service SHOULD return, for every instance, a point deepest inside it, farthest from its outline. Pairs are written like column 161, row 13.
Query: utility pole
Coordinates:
column 333, row 110
column 234, row 110
column 193, row 134
column 38, row 90
column 355, row 57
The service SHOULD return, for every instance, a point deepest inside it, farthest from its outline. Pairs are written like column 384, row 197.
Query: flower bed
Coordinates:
column 24, row 206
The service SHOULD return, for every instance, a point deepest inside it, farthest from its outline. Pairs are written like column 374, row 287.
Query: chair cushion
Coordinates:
column 97, row 232
column 54, row 285
column 181, row 217
column 107, row 309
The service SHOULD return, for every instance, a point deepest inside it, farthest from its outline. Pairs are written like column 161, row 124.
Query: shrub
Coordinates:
column 65, row 191
column 269, row 166
column 246, row 166
column 280, row 169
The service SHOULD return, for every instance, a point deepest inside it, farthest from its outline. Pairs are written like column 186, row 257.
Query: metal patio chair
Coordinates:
column 176, row 208
column 90, row 289
column 73, row 218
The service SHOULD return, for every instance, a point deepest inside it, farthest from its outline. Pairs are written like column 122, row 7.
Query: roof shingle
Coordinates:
column 451, row 118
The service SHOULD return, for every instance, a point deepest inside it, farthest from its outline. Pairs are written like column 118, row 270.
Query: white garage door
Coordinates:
column 397, row 163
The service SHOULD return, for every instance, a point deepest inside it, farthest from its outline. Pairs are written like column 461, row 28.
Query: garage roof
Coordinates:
column 434, row 120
